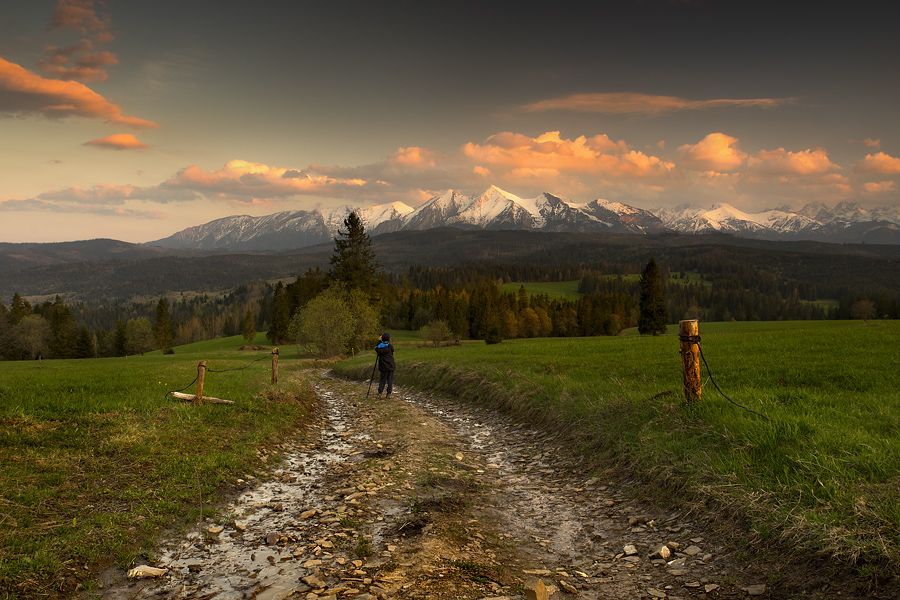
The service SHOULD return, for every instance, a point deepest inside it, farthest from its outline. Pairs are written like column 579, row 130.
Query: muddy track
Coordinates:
column 418, row 497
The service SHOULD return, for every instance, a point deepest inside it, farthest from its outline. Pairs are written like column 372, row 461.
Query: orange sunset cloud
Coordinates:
column 88, row 67
column 25, row 92
column 549, row 155
column 782, row 162
column 715, row 152
column 413, row 158
column 625, row 103
column 80, row 16
column 248, row 182
column 881, row 164
column 119, row 141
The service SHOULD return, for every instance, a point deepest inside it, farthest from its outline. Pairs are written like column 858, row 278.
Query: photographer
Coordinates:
column 385, row 352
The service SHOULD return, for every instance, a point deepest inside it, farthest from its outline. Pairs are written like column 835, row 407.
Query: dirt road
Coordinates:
column 417, row 497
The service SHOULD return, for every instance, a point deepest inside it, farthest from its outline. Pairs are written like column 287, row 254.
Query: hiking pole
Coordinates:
column 372, row 378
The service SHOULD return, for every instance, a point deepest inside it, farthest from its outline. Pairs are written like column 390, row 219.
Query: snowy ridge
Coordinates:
column 498, row 209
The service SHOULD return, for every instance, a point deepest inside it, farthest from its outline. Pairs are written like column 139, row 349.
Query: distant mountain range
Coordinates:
column 496, row 209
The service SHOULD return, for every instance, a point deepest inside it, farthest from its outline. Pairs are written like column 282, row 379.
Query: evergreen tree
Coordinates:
column 63, row 328
column 162, row 327
column 281, row 316
column 353, row 263
column 18, row 309
column 248, row 327
column 653, row 314
column 85, row 347
column 120, row 339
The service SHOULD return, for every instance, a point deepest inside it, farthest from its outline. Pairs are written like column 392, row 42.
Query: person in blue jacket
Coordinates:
column 386, row 364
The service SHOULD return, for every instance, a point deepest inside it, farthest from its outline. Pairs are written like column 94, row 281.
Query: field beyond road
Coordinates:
column 96, row 460
column 819, row 472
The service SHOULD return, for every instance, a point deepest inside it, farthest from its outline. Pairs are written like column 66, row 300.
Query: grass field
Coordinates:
column 821, row 471
column 567, row 290
column 95, row 460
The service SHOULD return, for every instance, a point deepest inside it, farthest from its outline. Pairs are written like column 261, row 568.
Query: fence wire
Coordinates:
column 695, row 339
column 208, row 370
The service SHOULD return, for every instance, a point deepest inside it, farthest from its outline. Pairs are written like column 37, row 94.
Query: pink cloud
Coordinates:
column 87, row 68
column 879, row 187
column 549, row 151
column 715, row 152
column 25, row 92
column 246, row 182
column 119, row 141
column 880, row 163
column 80, row 16
column 645, row 104
column 414, row 158
column 782, row 162
column 79, row 62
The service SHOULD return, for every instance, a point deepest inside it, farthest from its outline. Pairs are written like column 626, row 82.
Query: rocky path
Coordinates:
column 416, row 497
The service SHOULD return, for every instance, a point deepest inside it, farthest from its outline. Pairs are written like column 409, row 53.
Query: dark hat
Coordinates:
column 385, row 336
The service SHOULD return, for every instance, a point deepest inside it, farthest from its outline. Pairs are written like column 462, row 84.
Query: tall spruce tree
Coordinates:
column 353, row 263
column 120, row 339
column 18, row 309
column 281, row 316
column 85, row 347
column 653, row 314
column 162, row 327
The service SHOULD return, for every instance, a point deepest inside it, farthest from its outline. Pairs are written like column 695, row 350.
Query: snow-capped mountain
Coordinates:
column 726, row 218
column 497, row 209
column 845, row 223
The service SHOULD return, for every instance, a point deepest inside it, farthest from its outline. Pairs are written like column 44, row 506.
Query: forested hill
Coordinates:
column 95, row 279
column 16, row 257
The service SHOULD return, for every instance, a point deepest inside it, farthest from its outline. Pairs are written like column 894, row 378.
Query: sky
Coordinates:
column 135, row 120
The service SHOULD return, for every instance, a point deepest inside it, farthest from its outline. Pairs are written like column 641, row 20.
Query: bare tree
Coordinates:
column 863, row 309
column 32, row 335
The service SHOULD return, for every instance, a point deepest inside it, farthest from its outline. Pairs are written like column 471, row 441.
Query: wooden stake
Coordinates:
column 689, row 333
column 275, row 365
column 201, row 373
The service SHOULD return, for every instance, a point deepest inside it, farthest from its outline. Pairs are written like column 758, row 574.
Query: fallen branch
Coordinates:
column 193, row 397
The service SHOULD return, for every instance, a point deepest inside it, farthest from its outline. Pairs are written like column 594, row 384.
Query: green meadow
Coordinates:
column 96, row 460
column 567, row 290
column 820, row 469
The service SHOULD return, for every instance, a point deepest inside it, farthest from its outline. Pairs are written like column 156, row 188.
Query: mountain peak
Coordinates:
column 498, row 209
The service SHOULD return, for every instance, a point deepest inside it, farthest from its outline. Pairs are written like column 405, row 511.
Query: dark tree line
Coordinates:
column 467, row 299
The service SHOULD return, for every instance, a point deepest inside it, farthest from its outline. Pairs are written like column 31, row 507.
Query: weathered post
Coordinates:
column 275, row 365
column 201, row 373
column 689, row 334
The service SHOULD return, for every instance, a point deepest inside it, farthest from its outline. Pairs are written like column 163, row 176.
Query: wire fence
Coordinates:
column 202, row 369
column 695, row 339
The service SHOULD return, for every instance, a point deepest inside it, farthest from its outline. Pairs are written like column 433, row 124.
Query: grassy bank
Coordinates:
column 95, row 460
column 820, row 472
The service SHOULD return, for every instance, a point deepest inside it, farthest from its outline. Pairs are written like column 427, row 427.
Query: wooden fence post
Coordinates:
column 689, row 334
column 275, row 365
column 201, row 373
